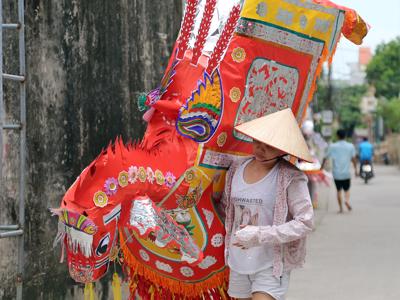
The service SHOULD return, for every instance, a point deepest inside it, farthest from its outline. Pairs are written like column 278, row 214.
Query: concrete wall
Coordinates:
column 87, row 60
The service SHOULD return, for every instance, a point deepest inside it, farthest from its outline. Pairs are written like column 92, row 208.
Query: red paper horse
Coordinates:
column 156, row 203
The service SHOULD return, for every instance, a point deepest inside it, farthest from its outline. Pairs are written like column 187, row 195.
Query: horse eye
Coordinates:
column 102, row 247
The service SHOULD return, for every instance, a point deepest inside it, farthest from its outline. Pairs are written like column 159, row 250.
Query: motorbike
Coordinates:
column 366, row 171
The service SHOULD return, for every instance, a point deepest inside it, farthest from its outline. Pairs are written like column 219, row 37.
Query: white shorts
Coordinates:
column 244, row 285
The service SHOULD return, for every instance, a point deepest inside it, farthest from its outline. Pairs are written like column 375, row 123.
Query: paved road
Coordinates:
column 355, row 255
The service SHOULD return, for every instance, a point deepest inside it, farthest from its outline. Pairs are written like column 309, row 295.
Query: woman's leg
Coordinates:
column 262, row 296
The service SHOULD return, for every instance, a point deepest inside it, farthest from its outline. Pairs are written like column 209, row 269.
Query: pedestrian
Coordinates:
column 342, row 154
column 262, row 247
column 365, row 153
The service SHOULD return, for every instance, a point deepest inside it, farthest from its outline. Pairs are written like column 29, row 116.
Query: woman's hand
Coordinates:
column 247, row 237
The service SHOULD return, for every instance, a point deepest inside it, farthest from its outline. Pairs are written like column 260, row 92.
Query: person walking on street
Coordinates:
column 342, row 154
column 268, row 209
column 365, row 153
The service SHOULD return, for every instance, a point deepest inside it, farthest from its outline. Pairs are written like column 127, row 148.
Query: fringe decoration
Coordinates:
column 62, row 253
column 88, row 291
column 60, row 234
column 187, row 25
column 144, row 281
column 79, row 240
column 203, row 30
column 224, row 39
column 116, row 286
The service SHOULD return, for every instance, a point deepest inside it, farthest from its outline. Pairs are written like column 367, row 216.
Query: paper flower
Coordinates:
column 123, row 179
column 150, row 175
column 235, row 94
column 142, row 174
column 170, row 179
column 189, row 176
column 133, row 174
column 111, row 186
column 159, row 177
column 238, row 55
column 222, row 139
column 100, row 199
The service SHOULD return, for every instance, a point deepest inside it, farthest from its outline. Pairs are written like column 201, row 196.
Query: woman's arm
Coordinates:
column 300, row 207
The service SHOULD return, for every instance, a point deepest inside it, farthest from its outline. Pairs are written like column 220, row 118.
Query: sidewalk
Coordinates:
column 355, row 255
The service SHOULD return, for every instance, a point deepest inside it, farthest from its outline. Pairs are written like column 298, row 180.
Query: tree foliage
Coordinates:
column 345, row 103
column 348, row 106
column 389, row 110
column 383, row 71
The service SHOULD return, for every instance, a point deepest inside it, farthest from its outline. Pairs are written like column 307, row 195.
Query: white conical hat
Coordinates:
column 279, row 130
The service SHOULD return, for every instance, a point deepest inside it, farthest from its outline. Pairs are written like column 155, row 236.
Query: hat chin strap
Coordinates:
column 270, row 159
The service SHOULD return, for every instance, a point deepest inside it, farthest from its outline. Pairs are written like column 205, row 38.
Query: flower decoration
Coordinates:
column 163, row 266
column 222, row 139
column 143, row 254
column 150, row 175
column 123, row 179
column 133, row 174
column 186, row 271
column 238, row 55
column 207, row 262
column 189, row 176
column 100, row 199
column 170, row 179
column 217, row 240
column 111, row 186
column 142, row 174
column 235, row 94
column 159, row 177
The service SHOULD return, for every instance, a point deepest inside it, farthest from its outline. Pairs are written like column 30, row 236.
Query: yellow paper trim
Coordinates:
column 275, row 8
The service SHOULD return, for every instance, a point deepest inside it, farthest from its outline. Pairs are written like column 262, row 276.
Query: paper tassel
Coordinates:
column 151, row 292
column 116, row 286
column 222, row 293
column 88, row 291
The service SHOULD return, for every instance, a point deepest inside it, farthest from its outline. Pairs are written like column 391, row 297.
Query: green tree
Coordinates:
column 347, row 106
column 383, row 71
column 345, row 103
column 389, row 110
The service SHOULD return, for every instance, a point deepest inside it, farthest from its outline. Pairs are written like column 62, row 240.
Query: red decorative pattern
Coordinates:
column 224, row 39
column 187, row 26
column 204, row 29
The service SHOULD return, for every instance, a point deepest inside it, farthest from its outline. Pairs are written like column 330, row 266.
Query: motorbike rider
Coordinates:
column 365, row 153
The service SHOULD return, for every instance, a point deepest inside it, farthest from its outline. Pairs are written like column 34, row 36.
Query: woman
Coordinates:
column 261, row 254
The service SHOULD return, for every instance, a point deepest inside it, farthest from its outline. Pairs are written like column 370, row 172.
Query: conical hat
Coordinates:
column 279, row 130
